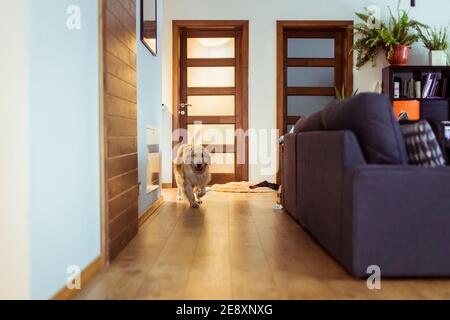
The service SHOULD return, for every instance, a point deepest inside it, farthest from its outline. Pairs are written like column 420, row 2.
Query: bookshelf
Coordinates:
column 409, row 96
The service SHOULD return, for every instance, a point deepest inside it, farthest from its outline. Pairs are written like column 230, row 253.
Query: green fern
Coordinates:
column 399, row 30
column 434, row 38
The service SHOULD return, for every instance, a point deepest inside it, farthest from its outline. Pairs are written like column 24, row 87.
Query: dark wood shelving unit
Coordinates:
column 437, row 108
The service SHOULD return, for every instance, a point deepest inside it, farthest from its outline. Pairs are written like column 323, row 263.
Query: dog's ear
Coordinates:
column 180, row 155
column 186, row 158
column 206, row 156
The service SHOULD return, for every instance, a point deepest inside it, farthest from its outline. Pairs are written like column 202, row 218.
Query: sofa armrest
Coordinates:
column 397, row 217
column 321, row 161
column 288, row 174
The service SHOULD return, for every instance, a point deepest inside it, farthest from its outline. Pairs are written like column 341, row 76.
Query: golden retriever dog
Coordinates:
column 192, row 173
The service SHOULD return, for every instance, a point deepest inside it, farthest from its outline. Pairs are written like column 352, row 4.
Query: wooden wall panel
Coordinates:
column 120, row 121
column 119, row 146
column 120, row 88
column 115, row 47
column 122, row 165
column 120, row 184
column 120, row 69
column 120, row 108
column 122, row 202
column 121, row 127
column 128, row 20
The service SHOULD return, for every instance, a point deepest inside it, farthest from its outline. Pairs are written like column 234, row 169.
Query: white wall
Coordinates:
column 64, row 142
column 263, row 15
column 149, row 70
column 14, row 244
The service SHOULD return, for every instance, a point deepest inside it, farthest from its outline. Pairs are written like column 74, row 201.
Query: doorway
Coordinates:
column 313, row 58
column 210, row 93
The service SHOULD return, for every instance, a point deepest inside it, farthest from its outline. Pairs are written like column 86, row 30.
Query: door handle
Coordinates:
column 183, row 106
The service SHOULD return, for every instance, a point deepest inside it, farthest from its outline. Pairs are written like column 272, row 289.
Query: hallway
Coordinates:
column 236, row 247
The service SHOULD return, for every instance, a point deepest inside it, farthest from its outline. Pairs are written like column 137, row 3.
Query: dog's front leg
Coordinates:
column 180, row 188
column 190, row 195
column 200, row 193
column 180, row 193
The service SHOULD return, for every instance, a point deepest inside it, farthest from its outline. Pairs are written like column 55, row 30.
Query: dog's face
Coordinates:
column 197, row 157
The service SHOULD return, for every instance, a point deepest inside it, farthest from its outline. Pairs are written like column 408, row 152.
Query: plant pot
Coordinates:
column 438, row 58
column 399, row 55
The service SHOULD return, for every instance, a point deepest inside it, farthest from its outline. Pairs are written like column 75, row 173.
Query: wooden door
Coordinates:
column 313, row 58
column 119, row 105
column 315, row 63
column 212, row 97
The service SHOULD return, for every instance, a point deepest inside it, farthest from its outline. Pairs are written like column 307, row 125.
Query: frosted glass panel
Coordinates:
column 208, row 48
column 211, row 134
column 222, row 163
column 310, row 48
column 210, row 77
column 211, row 105
column 310, row 77
column 305, row 105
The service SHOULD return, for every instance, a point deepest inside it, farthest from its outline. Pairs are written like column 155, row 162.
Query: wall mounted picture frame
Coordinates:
column 149, row 22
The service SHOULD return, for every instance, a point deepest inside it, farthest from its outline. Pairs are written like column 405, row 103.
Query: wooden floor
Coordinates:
column 236, row 247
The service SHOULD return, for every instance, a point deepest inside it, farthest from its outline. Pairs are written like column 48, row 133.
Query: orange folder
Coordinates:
column 411, row 107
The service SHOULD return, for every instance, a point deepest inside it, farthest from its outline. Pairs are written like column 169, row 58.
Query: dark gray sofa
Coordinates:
column 347, row 181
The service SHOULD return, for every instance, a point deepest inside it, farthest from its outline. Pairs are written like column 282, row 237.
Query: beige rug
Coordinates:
column 239, row 187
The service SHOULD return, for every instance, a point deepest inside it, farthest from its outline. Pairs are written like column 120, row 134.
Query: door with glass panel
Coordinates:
column 212, row 97
column 314, row 58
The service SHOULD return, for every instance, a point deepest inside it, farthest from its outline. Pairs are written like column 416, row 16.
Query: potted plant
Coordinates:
column 341, row 94
column 394, row 37
column 436, row 41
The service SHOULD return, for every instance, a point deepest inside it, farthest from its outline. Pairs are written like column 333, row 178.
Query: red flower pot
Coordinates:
column 399, row 55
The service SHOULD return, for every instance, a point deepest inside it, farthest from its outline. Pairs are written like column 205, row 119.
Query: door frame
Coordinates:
column 243, row 26
column 307, row 25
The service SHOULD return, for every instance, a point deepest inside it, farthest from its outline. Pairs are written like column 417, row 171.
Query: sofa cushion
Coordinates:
column 312, row 122
column 422, row 146
column 371, row 118
column 297, row 125
column 439, row 131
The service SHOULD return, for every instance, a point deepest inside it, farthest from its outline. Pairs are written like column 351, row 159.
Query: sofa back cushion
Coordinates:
column 371, row 118
column 312, row 122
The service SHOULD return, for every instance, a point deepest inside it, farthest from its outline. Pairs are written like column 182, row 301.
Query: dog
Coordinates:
column 191, row 168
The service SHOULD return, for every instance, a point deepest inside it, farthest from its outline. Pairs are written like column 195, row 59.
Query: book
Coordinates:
column 434, row 88
column 445, row 88
column 429, row 80
column 396, row 90
column 405, row 89
column 417, row 89
column 446, row 125
column 447, row 133
column 410, row 93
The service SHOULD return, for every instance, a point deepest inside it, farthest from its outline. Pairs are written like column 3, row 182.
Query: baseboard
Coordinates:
column 167, row 186
column 150, row 211
column 86, row 276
